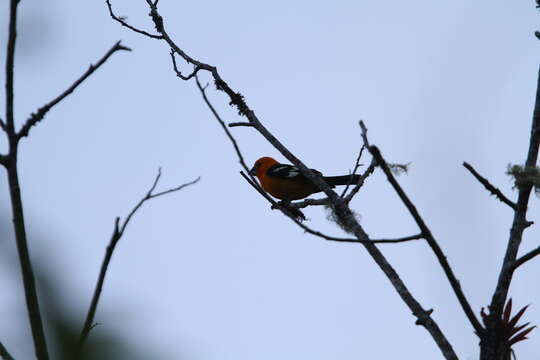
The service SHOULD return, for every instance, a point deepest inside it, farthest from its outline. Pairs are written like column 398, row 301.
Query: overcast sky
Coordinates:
column 211, row 272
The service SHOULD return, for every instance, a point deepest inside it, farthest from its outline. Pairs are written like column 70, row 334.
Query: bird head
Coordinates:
column 262, row 165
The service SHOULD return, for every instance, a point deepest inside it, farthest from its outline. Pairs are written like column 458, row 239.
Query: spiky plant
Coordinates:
column 509, row 332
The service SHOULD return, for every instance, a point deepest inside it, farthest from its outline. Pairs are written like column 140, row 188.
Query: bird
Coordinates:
column 286, row 182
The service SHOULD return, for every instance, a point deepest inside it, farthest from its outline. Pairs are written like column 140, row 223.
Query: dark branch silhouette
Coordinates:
column 4, row 354
column 492, row 189
column 490, row 347
column 120, row 20
column 355, row 169
column 9, row 161
column 178, row 73
column 528, row 256
column 234, row 124
column 117, row 234
column 42, row 111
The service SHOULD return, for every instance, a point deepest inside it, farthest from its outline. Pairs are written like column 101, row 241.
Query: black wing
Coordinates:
column 284, row 171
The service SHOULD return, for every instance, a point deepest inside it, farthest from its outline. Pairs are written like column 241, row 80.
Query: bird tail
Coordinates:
column 342, row 180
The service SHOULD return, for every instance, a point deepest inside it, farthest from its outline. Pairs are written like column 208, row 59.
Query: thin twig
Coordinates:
column 42, row 111
column 234, row 124
column 178, row 72
column 360, row 183
column 523, row 259
column 492, row 189
column 356, row 166
column 454, row 282
column 2, row 125
column 4, row 354
column 123, row 23
column 399, row 240
column 118, row 231
column 223, row 126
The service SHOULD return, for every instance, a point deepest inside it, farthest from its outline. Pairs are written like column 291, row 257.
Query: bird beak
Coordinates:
column 253, row 171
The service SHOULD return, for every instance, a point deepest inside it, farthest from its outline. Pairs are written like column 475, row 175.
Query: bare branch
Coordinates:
column 3, row 125
column 117, row 234
column 234, row 124
column 4, row 354
column 454, row 282
column 360, row 183
column 528, row 256
column 29, row 284
column 492, row 189
column 399, row 240
column 10, row 64
column 122, row 22
column 356, row 166
column 519, row 224
column 42, row 111
column 178, row 73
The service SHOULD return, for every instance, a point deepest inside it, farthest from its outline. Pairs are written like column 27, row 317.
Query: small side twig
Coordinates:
column 399, row 240
column 234, row 124
column 489, row 187
column 42, row 111
column 523, row 259
column 122, row 21
column 359, row 184
column 3, row 125
column 356, row 166
column 118, row 231
column 178, row 72
column 3, row 160
column 4, row 354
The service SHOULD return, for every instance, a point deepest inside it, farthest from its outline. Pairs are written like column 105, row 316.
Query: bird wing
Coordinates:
column 284, row 171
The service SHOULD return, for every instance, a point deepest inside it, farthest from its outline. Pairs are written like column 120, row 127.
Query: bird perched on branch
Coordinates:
column 286, row 182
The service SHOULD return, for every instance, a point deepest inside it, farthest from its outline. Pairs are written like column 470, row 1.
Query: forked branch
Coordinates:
column 117, row 234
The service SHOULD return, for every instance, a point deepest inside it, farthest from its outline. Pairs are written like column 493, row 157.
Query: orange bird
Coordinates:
column 286, row 182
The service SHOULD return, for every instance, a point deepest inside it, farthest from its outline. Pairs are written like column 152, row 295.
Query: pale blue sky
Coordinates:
column 212, row 273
